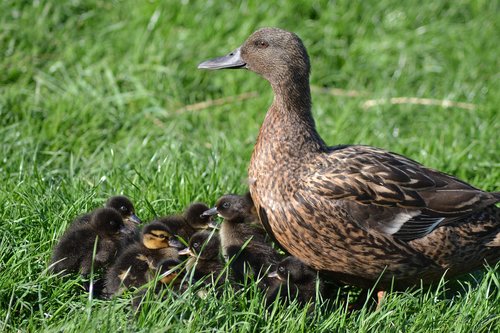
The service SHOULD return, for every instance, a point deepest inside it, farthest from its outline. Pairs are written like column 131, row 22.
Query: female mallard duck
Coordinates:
column 243, row 242
column 138, row 263
column 90, row 245
column 359, row 213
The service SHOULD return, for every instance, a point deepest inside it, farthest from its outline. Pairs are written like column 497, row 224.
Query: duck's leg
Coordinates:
column 380, row 297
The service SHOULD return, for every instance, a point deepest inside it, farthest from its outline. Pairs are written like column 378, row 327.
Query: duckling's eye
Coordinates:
column 196, row 245
column 226, row 205
column 261, row 44
column 281, row 269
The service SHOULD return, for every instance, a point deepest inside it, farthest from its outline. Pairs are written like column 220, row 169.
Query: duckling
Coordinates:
column 134, row 266
column 296, row 281
column 187, row 224
column 170, row 276
column 123, row 205
column 170, row 271
column 75, row 250
column 360, row 214
column 243, row 242
column 204, row 262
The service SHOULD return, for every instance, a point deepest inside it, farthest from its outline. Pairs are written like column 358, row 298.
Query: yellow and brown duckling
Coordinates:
column 170, row 271
column 75, row 250
column 187, row 224
column 243, row 242
column 204, row 258
column 139, row 262
column 295, row 281
column 358, row 213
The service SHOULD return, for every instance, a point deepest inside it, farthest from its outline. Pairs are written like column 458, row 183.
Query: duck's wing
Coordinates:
column 391, row 193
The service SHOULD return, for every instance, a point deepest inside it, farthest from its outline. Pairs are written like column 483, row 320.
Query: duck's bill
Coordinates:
column 275, row 275
column 133, row 218
column 172, row 242
column 232, row 60
column 186, row 252
column 210, row 212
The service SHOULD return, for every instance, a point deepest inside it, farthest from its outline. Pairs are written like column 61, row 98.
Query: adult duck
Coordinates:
column 358, row 213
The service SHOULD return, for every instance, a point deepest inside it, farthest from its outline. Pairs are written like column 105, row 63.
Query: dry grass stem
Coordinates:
column 445, row 103
column 216, row 102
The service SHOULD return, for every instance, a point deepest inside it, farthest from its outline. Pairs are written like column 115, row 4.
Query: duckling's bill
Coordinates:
column 186, row 251
column 275, row 275
column 232, row 60
column 134, row 219
column 173, row 242
column 210, row 212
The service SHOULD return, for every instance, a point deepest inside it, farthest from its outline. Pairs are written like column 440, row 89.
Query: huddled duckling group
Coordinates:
column 181, row 249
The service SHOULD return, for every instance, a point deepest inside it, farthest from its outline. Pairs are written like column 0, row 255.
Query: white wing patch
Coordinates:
column 391, row 227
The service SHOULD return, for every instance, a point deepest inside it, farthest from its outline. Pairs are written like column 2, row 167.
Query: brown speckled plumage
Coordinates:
column 354, row 211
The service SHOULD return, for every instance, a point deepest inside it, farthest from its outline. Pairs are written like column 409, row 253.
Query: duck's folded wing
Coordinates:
column 391, row 193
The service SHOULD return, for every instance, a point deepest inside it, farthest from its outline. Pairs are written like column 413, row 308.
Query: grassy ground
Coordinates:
column 93, row 98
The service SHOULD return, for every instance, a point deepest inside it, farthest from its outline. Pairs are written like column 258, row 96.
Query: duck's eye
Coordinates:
column 196, row 245
column 281, row 269
column 226, row 205
column 261, row 44
column 162, row 236
column 123, row 209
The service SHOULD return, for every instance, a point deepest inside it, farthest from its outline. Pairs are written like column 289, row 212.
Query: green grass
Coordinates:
column 89, row 94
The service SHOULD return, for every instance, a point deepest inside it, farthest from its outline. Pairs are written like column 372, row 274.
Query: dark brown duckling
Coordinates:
column 243, row 242
column 123, row 205
column 359, row 213
column 75, row 250
column 139, row 262
column 296, row 281
column 187, row 224
column 204, row 262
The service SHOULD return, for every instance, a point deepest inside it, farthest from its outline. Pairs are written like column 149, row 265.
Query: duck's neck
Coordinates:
column 289, row 122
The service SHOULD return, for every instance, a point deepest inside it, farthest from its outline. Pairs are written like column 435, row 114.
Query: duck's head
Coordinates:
column 108, row 222
column 294, row 270
column 157, row 235
column 232, row 207
column 194, row 216
column 203, row 244
column 273, row 53
column 123, row 205
column 169, row 269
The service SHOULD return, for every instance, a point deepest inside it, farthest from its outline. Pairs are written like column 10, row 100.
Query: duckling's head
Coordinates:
column 108, row 222
column 194, row 215
column 203, row 244
column 169, row 269
column 294, row 270
column 273, row 53
column 157, row 235
column 123, row 205
column 236, row 208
